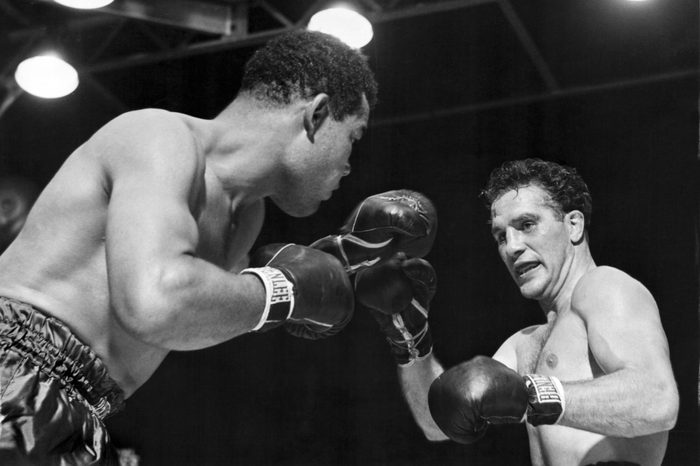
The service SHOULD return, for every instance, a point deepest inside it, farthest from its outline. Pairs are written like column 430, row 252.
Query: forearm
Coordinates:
column 415, row 383
column 626, row 403
column 191, row 304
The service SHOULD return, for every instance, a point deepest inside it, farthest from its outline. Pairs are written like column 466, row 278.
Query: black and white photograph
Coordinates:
column 349, row 232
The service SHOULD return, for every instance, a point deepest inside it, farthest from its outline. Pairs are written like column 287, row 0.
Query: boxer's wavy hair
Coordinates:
column 302, row 64
column 566, row 189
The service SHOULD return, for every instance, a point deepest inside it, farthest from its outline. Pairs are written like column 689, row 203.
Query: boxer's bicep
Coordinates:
column 622, row 323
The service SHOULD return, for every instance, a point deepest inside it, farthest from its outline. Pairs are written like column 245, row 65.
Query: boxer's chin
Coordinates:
column 532, row 289
column 297, row 209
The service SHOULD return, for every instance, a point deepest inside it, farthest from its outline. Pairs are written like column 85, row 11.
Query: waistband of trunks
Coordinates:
column 58, row 353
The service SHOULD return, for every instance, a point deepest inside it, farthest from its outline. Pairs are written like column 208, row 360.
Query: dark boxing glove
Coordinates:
column 381, row 225
column 398, row 294
column 465, row 399
column 307, row 290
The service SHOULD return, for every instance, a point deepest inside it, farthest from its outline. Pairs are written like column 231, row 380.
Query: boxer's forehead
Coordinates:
column 516, row 203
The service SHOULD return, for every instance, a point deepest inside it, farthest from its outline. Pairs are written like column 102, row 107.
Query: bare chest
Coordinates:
column 215, row 226
column 227, row 230
column 559, row 348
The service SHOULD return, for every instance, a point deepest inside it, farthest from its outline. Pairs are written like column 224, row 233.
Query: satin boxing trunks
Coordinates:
column 54, row 393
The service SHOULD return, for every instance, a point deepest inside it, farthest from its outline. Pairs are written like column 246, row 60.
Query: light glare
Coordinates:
column 46, row 76
column 84, row 4
column 345, row 24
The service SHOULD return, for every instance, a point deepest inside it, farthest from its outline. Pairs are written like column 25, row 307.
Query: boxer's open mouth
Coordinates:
column 525, row 267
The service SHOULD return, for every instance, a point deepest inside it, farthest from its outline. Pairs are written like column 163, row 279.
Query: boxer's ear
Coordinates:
column 575, row 223
column 315, row 113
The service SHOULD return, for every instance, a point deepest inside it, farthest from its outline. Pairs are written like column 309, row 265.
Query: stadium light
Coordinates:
column 46, row 76
column 344, row 23
column 84, row 4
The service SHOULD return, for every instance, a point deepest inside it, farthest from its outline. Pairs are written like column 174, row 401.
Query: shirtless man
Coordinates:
column 594, row 384
column 135, row 247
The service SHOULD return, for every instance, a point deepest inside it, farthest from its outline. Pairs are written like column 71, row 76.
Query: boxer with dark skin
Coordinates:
column 594, row 384
column 135, row 248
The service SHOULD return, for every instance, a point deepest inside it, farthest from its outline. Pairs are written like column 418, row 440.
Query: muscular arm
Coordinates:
column 415, row 382
column 160, row 290
column 637, row 395
column 417, row 378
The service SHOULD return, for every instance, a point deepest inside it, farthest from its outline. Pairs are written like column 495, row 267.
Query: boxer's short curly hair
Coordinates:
column 566, row 189
column 302, row 64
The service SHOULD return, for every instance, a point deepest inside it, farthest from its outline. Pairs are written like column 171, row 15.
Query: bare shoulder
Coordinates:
column 147, row 141
column 606, row 288
column 144, row 120
column 147, row 131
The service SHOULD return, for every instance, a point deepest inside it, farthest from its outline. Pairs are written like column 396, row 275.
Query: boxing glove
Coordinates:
column 398, row 294
column 467, row 398
column 307, row 290
column 382, row 224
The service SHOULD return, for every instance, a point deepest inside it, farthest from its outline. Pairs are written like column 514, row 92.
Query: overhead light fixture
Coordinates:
column 84, row 4
column 46, row 76
column 345, row 24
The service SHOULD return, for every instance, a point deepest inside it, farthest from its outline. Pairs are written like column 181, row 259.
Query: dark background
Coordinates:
column 458, row 96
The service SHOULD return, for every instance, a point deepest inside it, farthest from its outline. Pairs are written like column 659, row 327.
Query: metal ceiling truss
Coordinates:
column 175, row 29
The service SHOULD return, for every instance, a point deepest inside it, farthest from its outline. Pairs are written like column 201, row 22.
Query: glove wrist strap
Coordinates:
column 546, row 399
column 279, row 297
column 413, row 347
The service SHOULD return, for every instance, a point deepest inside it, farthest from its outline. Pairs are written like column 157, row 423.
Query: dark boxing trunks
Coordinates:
column 54, row 393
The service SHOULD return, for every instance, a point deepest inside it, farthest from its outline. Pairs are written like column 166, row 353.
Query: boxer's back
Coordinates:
column 57, row 263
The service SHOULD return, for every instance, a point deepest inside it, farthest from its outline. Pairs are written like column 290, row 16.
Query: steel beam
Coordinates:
column 529, row 45
column 201, row 16
column 251, row 39
column 13, row 91
column 422, row 9
column 574, row 91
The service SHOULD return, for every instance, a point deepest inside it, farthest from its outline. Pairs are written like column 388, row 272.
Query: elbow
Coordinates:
column 662, row 410
column 667, row 406
column 148, row 308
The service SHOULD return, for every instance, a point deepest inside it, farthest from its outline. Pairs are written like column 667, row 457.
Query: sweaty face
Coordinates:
column 533, row 241
column 319, row 166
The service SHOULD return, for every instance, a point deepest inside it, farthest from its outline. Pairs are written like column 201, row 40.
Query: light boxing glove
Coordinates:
column 381, row 225
column 467, row 398
column 307, row 290
column 398, row 294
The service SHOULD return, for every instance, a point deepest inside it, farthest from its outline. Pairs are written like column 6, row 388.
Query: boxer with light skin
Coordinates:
column 139, row 245
column 594, row 384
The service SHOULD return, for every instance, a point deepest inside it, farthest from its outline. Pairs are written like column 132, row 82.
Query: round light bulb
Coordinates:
column 84, row 4
column 46, row 76
column 343, row 23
